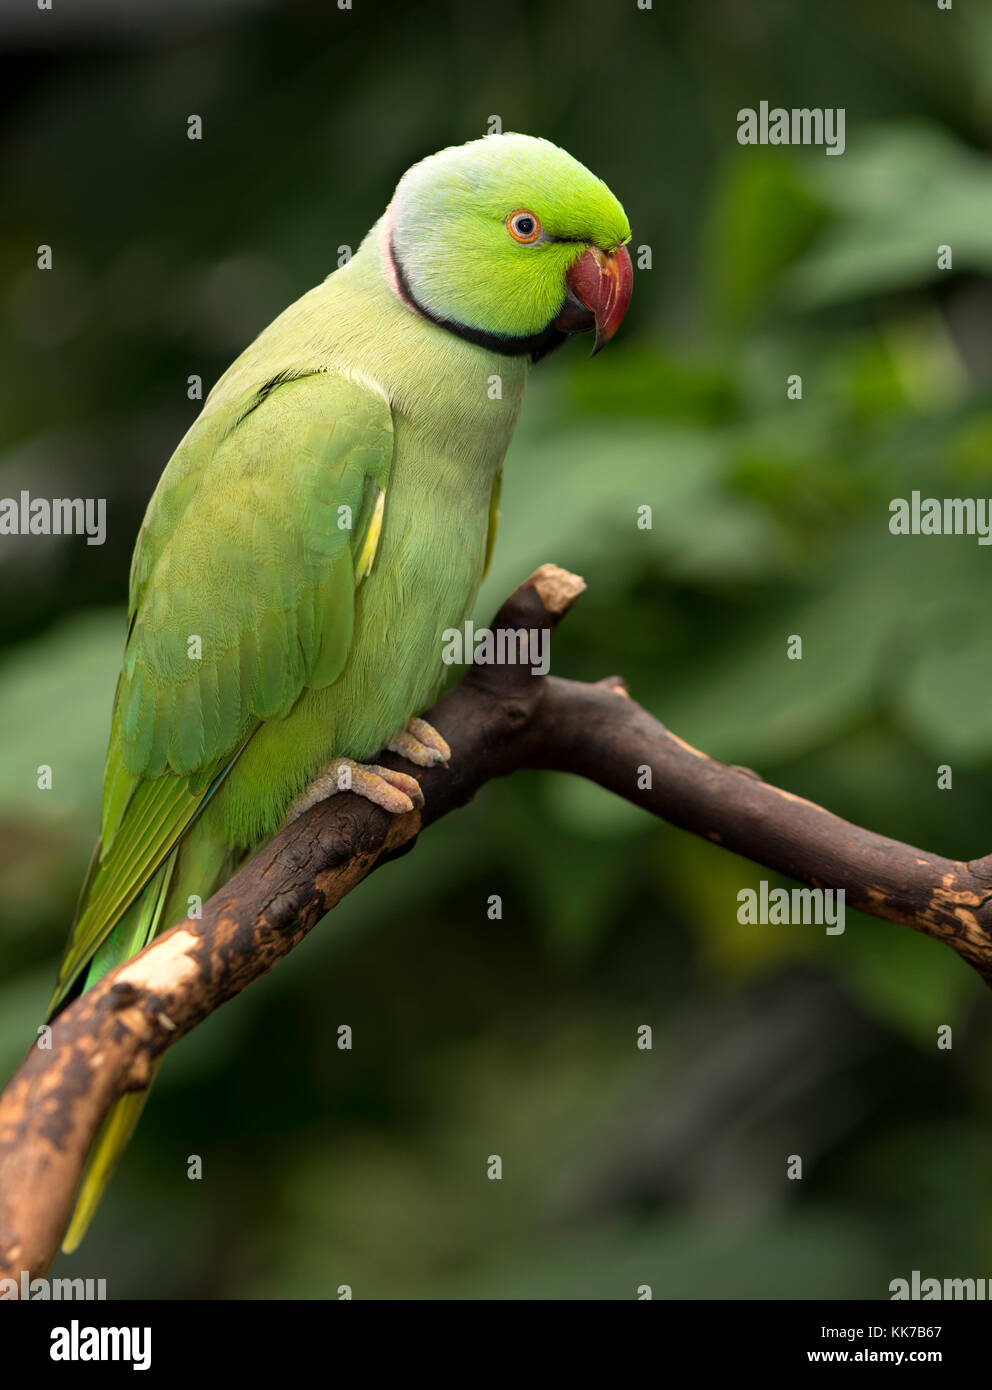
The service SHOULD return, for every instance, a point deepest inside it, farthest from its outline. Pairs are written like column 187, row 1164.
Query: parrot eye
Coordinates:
column 523, row 226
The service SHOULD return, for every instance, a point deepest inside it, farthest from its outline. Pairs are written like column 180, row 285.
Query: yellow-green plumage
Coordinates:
column 326, row 518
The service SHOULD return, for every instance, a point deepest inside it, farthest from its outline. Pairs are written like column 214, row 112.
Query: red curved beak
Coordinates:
column 601, row 282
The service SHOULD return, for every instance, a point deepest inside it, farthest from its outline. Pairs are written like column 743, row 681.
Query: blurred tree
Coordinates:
column 770, row 518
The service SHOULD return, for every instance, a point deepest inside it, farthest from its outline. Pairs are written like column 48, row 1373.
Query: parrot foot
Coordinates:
column 420, row 743
column 395, row 792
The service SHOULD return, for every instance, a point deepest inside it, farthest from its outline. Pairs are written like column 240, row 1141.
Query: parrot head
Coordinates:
column 511, row 243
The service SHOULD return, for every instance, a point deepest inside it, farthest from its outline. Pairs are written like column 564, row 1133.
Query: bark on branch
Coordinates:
column 498, row 719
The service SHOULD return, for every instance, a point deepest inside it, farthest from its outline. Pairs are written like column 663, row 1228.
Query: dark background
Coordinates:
column 621, row 1167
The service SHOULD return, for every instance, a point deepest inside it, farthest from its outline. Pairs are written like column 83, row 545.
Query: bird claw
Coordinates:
column 395, row 792
column 420, row 743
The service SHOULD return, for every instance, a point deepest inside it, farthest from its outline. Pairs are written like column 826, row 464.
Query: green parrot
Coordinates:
column 328, row 515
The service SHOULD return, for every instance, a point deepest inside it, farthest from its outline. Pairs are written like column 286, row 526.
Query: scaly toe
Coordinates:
column 384, row 781
column 420, row 743
column 429, row 737
column 396, row 792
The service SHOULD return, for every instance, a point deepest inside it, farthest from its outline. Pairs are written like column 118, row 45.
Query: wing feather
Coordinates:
column 242, row 548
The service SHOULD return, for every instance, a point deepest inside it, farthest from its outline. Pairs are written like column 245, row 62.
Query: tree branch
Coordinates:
column 498, row 719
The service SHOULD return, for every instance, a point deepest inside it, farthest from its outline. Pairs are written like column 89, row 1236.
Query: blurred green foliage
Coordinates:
column 621, row 1167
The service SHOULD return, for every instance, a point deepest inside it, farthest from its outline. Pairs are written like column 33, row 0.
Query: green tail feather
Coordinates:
column 135, row 929
column 111, row 1140
column 196, row 866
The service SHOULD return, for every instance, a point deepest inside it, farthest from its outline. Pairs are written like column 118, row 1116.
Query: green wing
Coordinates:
column 242, row 593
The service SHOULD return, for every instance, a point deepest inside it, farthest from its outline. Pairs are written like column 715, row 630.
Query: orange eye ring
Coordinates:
column 524, row 226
